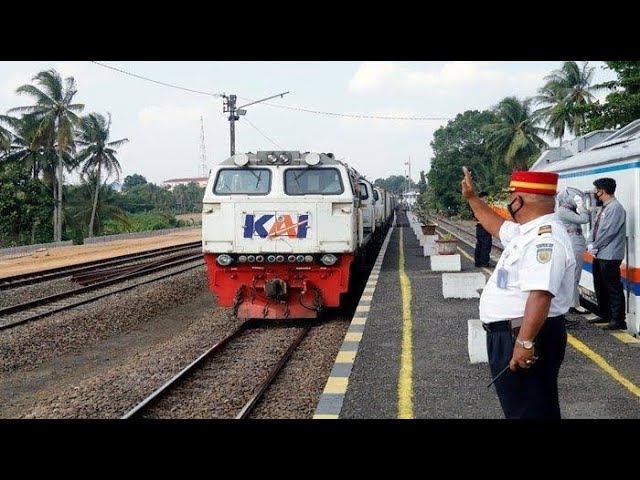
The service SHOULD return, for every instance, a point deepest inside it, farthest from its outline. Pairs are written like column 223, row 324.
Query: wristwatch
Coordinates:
column 526, row 344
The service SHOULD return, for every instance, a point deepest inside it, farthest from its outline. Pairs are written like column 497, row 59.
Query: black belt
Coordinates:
column 505, row 325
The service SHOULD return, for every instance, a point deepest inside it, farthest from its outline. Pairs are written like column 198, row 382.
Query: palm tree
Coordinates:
column 82, row 209
column 23, row 147
column 55, row 113
column 566, row 92
column 514, row 139
column 5, row 139
column 97, row 152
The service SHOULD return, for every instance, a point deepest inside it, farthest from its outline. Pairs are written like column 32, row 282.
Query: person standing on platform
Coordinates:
column 523, row 305
column 573, row 213
column 607, row 245
column 483, row 241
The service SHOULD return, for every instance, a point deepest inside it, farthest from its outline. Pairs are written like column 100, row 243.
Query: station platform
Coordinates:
column 406, row 353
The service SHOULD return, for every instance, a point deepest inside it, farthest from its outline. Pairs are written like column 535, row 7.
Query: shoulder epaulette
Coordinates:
column 544, row 229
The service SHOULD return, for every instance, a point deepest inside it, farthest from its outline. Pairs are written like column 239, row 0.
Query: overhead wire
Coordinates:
column 258, row 130
column 286, row 107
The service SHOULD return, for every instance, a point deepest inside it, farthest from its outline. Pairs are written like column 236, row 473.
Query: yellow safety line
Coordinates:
column 405, row 381
column 602, row 363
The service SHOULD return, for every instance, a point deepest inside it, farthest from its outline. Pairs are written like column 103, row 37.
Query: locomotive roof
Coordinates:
column 622, row 145
column 291, row 157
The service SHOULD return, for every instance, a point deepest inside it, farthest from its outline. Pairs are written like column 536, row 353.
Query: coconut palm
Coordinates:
column 565, row 94
column 24, row 147
column 5, row 139
column 97, row 152
column 81, row 208
column 514, row 139
column 56, row 115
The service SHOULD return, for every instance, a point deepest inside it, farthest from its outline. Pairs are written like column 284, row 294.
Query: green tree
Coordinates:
column 145, row 198
column 55, row 112
column 25, row 206
column 133, row 180
column 395, row 184
column 622, row 105
column 514, row 138
column 462, row 143
column 565, row 94
column 97, row 152
column 81, row 207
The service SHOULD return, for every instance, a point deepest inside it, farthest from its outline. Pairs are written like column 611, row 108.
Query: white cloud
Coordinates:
column 450, row 77
column 167, row 115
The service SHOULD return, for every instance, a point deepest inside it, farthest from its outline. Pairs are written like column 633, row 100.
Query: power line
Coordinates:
column 351, row 115
column 156, row 81
column 287, row 107
column 279, row 146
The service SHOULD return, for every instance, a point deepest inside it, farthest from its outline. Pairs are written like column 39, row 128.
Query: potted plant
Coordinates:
column 447, row 244
column 428, row 227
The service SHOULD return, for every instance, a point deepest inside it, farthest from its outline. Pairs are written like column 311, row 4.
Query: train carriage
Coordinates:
column 615, row 155
column 281, row 231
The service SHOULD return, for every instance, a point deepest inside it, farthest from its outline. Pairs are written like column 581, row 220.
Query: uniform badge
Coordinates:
column 543, row 252
column 544, row 229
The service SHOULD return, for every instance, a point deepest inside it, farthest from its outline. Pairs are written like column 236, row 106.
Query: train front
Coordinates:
column 279, row 231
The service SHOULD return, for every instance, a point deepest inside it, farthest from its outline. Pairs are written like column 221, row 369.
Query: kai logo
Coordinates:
column 276, row 225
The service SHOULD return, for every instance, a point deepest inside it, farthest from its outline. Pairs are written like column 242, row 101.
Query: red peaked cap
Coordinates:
column 542, row 183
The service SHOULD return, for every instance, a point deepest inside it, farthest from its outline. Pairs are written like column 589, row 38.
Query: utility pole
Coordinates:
column 229, row 105
column 203, row 151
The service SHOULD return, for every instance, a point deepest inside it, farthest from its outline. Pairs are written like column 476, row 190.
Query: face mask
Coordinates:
column 513, row 212
column 599, row 202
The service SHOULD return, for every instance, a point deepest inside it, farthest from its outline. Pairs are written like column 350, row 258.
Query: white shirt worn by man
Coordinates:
column 538, row 256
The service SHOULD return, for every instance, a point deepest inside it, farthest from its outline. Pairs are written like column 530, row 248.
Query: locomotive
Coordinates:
column 282, row 231
column 614, row 154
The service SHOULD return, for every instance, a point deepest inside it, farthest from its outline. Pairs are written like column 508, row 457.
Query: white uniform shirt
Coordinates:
column 537, row 256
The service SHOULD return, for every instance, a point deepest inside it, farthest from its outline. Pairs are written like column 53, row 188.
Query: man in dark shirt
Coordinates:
column 483, row 243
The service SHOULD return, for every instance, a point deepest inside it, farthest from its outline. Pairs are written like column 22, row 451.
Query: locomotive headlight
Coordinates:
column 242, row 258
column 280, row 258
column 224, row 259
column 283, row 158
column 271, row 258
column 308, row 258
column 291, row 258
column 272, row 158
column 329, row 259
column 241, row 159
column 259, row 258
column 251, row 258
column 300, row 258
column 312, row 159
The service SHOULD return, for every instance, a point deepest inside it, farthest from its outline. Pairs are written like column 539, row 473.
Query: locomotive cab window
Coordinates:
column 317, row 181
column 364, row 191
column 253, row 181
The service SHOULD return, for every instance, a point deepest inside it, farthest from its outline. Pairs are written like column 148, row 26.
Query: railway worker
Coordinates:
column 572, row 212
column 483, row 241
column 606, row 244
column 522, row 307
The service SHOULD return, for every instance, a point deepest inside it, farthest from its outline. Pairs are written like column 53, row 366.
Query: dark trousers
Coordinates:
column 531, row 393
column 483, row 246
column 609, row 291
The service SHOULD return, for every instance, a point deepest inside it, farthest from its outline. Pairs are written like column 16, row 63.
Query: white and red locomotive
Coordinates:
column 281, row 231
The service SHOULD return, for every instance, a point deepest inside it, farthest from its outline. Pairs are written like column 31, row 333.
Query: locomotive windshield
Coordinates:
column 255, row 181
column 317, row 181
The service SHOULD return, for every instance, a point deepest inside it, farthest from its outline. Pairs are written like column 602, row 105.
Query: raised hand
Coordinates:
column 468, row 190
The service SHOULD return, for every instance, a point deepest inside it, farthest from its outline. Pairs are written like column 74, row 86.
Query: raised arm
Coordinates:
column 489, row 219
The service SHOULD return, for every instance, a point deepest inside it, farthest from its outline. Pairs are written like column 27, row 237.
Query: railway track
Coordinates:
column 199, row 367
column 463, row 234
column 31, row 278
column 98, row 288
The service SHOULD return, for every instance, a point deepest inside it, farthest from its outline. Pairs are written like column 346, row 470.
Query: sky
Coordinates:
column 163, row 123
